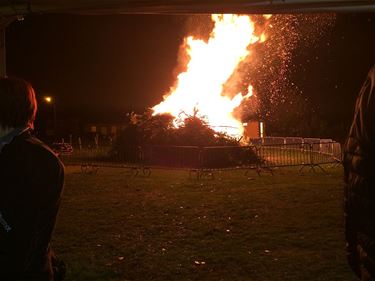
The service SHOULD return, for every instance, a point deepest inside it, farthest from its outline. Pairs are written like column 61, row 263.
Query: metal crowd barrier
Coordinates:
column 280, row 152
column 312, row 154
column 171, row 156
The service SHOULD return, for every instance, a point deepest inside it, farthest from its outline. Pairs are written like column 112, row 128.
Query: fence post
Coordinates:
column 80, row 143
column 200, row 158
column 140, row 155
column 96, row 141
column 259, row 160
column 311, row 155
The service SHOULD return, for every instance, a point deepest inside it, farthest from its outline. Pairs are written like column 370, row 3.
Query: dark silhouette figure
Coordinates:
column 31, row 182
column 359, row 164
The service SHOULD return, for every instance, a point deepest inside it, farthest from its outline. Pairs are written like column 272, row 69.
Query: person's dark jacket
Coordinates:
column 359, row 164
column 31, row 183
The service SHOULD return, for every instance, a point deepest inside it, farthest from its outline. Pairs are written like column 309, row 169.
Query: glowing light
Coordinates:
column 48, row 99
column 209, row 66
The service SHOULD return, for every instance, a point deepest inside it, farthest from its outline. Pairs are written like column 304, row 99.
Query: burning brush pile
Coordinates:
column 202, row 108
column 161, row 129
column 155, row 140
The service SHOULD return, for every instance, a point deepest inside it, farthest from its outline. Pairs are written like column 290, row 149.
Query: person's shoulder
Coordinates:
column 38, row 151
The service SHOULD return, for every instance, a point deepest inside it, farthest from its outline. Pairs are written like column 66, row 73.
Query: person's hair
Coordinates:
column 18, row 104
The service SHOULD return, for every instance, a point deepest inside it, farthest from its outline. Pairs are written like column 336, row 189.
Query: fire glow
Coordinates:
column 200, row 88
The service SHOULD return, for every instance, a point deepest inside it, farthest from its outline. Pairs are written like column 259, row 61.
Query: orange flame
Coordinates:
column 211, row 64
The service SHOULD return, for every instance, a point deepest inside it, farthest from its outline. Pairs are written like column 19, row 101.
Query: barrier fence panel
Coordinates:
column 171, row 156
column 310, row 152
column 337, row 152
column 229, row 156
column 293, row 140
column 286, row 140
column 284, row 155
column 130, row 154
column 311, row 140
column 87, row 155
column 304, row 154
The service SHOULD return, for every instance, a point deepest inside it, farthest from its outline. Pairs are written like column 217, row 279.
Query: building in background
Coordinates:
column 253, row 130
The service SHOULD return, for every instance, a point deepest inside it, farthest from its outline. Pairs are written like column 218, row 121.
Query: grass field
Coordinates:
column 234, row 227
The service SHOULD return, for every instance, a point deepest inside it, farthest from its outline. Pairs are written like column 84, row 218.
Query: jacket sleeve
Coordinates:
column 357, row 165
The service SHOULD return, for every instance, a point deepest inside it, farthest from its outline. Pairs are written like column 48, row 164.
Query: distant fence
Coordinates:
column 304, row 154
column 263, row 153
column 288, row 140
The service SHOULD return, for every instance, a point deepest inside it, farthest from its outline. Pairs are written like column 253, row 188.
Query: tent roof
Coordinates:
column 101, row 7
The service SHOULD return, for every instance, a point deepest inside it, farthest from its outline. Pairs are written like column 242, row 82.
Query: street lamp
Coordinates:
column 50, row 100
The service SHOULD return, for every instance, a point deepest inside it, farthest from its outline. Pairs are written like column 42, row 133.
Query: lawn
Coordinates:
column 288, row 226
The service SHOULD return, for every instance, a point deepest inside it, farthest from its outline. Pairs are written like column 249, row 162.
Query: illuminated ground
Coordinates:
column 170, row 227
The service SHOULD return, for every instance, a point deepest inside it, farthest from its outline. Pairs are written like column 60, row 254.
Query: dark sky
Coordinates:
column 109, row 64
column 335, row 68
column 105, row 63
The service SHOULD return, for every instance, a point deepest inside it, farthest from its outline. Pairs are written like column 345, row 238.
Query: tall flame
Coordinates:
column 200, row 87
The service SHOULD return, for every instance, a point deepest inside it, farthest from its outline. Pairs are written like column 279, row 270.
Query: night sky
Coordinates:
column 99, row 67
column 97, row 64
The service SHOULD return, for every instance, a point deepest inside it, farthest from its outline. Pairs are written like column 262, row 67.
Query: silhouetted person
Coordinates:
column 359, row 163
column 31, row 182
